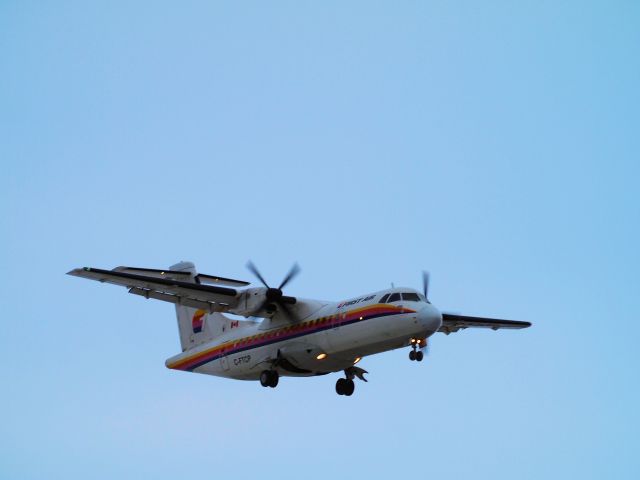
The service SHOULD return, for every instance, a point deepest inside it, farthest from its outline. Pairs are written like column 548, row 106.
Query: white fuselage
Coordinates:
column 329, row 337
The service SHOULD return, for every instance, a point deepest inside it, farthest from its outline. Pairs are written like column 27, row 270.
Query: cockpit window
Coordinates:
column 384, row 298
column 410, row 297
column 395, row 297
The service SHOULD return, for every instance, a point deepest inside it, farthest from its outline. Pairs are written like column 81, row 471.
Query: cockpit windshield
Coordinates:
column 395, row 297
column 410, row 297
column 404, row 296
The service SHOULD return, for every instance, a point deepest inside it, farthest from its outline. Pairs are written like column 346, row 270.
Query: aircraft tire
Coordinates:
column 340, row 386
column 349, row 388
column 412, row 355
column 273, row 380
column 419, row 356
column 265, row 378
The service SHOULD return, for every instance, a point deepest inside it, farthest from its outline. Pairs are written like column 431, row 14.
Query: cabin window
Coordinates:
column 384, row 298
column 395, row 297
column 410, row 297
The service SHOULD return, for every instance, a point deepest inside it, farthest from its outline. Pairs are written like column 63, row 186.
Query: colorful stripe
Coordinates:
column 197, row 321
column 287, row 333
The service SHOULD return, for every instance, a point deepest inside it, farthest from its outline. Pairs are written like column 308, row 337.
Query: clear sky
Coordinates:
column 493, row 143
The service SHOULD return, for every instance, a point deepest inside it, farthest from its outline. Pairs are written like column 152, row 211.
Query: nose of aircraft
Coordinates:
column 430, row 318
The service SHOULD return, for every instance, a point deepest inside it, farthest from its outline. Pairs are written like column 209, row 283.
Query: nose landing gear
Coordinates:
column 416, row 354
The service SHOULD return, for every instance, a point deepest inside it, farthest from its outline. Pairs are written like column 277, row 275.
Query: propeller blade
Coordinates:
column 292, row 273
column 288, row 300
column 252, row 268
column 425, row 284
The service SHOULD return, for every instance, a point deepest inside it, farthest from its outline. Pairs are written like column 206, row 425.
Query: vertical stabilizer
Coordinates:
column 196, row 326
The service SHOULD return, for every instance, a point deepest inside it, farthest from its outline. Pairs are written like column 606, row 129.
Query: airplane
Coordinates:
column 282, row 335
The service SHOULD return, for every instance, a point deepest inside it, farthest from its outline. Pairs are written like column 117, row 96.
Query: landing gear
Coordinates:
column 415, row 354
column 269, row 378
column 345, row 386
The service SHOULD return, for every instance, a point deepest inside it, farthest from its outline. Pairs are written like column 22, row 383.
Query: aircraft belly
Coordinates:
column 249, row 364
column 211, row 368
column 239, row 366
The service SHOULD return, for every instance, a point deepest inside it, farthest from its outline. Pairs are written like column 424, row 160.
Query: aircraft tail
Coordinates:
column 196, row 326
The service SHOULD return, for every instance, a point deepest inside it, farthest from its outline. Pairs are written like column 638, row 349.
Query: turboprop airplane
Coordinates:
column 283, row 335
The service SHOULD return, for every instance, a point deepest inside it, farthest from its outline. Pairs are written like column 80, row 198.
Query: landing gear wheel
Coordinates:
column 412, row 355
column 419, row 356
column 349, row 388
column 273, row 381
column 345, row 386
column 265, row 378
column 340, row 386
column 269, row 378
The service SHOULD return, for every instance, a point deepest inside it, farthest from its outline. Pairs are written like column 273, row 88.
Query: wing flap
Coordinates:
column 176, row 299
column 452, row 323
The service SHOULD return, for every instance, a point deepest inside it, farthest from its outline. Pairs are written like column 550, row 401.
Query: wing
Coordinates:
column 184, row 275
column 164, row 285
column 452, row 323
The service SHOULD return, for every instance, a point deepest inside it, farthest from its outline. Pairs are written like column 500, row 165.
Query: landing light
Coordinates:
column 357, row 360
column 322, row 356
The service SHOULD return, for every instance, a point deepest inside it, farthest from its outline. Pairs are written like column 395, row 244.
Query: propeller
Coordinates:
column 425, row 285
column 275, row 295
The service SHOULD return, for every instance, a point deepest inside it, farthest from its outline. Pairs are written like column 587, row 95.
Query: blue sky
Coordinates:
column 494, row 144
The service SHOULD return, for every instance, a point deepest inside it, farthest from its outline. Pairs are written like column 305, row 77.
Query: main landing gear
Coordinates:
column 269, row 378
column 415, row 354
column 346, row 386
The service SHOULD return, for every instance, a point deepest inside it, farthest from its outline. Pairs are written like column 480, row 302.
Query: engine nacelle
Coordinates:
column 250, row 301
